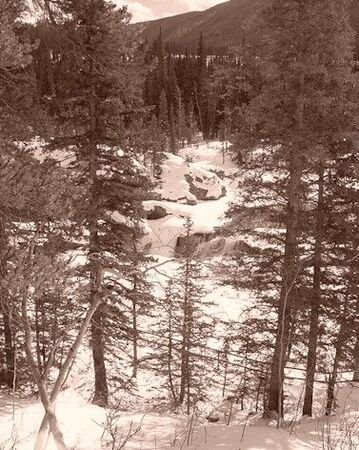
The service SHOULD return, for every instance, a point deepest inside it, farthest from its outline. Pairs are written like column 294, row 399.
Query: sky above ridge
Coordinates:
column 143, row 10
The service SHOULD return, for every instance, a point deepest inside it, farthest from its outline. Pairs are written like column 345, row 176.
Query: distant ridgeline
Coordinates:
column 223, row 26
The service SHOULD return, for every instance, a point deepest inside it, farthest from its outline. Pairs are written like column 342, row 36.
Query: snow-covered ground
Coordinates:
column 196, row 183
column 83, row 426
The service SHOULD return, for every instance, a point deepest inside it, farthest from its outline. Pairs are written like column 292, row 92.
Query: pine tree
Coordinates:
column 172, row 131
column 341, row 239
column 16, row 109
column 99, row 93
column 316, row 299
column 191, row 124
column 173, row 92
column 162, row 67
column 163, row 120
column 194, row 326
column 297, row 109
column 237, row 81
column 184, row 330
column 200, row 93
column 130, row 302
column 181, row 124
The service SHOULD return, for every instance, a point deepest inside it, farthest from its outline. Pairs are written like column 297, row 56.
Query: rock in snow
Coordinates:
column 157, row 212
column 189, row 187
column 182, row 180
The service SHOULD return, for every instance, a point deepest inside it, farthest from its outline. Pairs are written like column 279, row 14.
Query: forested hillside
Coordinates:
column 223, row 26
column 179, row 258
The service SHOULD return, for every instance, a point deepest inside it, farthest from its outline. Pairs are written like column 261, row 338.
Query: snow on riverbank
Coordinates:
column 210, row 177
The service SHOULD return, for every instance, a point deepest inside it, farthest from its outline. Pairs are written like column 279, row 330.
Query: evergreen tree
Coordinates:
column 191, row 124
column 131, row 302
column 181, row 124
column 172, row 131
column 102, row 101
column 186, row 329
column 162, row 67
column 237, row 81
column 163, row 120
column 297, row 109
column 16, row 111
column 340, row 212
column 173, row 92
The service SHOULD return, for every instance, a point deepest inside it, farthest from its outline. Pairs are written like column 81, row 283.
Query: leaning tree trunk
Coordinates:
column 49, row 425
column 315, row 300
column 287, row 293
column 43, row 435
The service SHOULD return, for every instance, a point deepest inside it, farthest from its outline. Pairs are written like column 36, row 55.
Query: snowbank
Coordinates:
column 185, row 182
column 190, row 188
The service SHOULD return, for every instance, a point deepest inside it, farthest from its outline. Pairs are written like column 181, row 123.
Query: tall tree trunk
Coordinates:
column 9, row 349
column 339, row 347
column 356, row 323
column 183, row 379
column 98, row 354
column 96, row 270
column 287, row 293
column 226, row 362
column 244, row 378
column 333, row 378
column 188, row 362
column 315, row 299
column 38, row 334
column 5, row 307
column 135, row 337
column 184, row 346
column 356, row 355
column 170, row 353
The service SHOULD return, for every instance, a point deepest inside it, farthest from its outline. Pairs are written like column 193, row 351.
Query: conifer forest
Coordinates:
column 179, row 226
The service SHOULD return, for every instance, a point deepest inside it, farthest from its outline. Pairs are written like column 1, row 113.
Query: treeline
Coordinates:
column 187, row 93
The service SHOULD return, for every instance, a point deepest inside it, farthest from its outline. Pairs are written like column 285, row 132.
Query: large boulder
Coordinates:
column 157, row 212
column 197, row 188
column 198, row 192
column 187, row 182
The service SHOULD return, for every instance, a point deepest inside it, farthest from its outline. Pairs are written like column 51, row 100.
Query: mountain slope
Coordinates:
column 221, row 25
